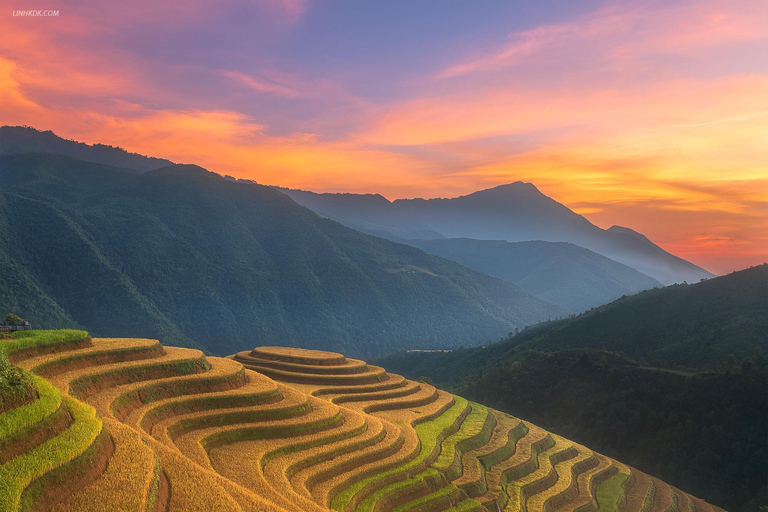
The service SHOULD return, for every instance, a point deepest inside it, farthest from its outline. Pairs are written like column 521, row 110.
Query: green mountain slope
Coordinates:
column 570, row 276
column 182, row 254
column 692, row 326
column 706, row 433
column 690, row 404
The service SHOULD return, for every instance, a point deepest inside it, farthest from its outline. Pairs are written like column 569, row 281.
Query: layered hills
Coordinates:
column 129, row 424
column 570, row 276
column 514, row 212
column 560, row 273
column 183, row 254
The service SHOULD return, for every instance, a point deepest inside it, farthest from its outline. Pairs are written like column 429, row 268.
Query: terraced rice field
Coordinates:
column 127, row 424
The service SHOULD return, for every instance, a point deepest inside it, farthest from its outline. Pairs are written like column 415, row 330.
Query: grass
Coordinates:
column 587, row 483
column 213, row 381
column 19, row 472
column 271, row 432
column 649, row 498
column 371, row 375
column 610, row 491
column 517, row 489
column 16, row 421
column 202, row 403
column 320, row 456
column 468, row 505
column 473, row 433
column 126, row 482
column 443, row 492
column 351, row 366
column 523, row 461
column 429, row 433
column 567, row 471
column 382, row 447
column 302, row 450
column 103, row 351
column 508, row 449
column 92, row 383
column 194, row 489
column 386, row 394
column 505, row 433
column 16, row 387
column 299, row 355
column 394, row 381
column 223, row 419
column 25, row 340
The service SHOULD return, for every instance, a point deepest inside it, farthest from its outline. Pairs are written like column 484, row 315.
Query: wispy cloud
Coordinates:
column 650, row 114
column 626, row 31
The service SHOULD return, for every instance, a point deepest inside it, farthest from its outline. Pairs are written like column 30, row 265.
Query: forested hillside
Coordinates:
column 184, row 255
column 672, row 381
column 570, row 276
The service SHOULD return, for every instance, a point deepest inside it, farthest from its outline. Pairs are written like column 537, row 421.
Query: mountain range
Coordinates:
column 182, row 254
column 514, row 212
column 570, row 276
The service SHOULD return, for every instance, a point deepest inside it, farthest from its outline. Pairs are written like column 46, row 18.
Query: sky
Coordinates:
column 647, row 114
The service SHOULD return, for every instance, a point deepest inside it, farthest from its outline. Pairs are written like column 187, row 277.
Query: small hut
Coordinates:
column 14, row 323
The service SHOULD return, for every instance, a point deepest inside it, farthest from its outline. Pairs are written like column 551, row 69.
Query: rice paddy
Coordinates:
column 127, row 424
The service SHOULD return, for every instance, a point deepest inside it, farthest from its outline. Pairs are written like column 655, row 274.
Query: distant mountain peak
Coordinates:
column 628, row 231
column 515, row 186
column 518, row 185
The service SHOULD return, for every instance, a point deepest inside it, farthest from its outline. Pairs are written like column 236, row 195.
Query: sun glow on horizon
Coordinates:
column 650, row 115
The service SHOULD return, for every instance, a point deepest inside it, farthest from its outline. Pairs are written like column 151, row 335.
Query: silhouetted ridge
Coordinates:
column 514, row 212
column 182, row 254
column 25, row 139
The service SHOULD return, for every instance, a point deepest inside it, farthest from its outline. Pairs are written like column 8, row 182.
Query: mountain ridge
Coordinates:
column 183, row 254
column 492, row 214
column 513, row 212
column 565, row 274
column 26, row 139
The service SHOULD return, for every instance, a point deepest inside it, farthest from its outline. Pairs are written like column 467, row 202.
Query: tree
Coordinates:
column 11, row 317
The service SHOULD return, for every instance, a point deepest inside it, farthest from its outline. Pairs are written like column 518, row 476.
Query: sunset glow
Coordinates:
column 649, row 114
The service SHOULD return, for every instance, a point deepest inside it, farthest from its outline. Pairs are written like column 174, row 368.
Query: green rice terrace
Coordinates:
column 128, row 424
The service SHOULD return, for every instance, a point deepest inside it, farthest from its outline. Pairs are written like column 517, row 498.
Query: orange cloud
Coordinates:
column 590, row 111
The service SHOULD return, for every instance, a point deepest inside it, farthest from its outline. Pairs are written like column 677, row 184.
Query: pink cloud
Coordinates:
column 628, row 31
column 279, row 83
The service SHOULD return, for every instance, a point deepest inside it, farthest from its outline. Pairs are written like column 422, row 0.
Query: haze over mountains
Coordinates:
column 514, row 212
column 696, row 326
column 570, row 278
column 183, row 254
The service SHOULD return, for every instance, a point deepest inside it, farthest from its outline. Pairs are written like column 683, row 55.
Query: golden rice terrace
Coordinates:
column 127, row 424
